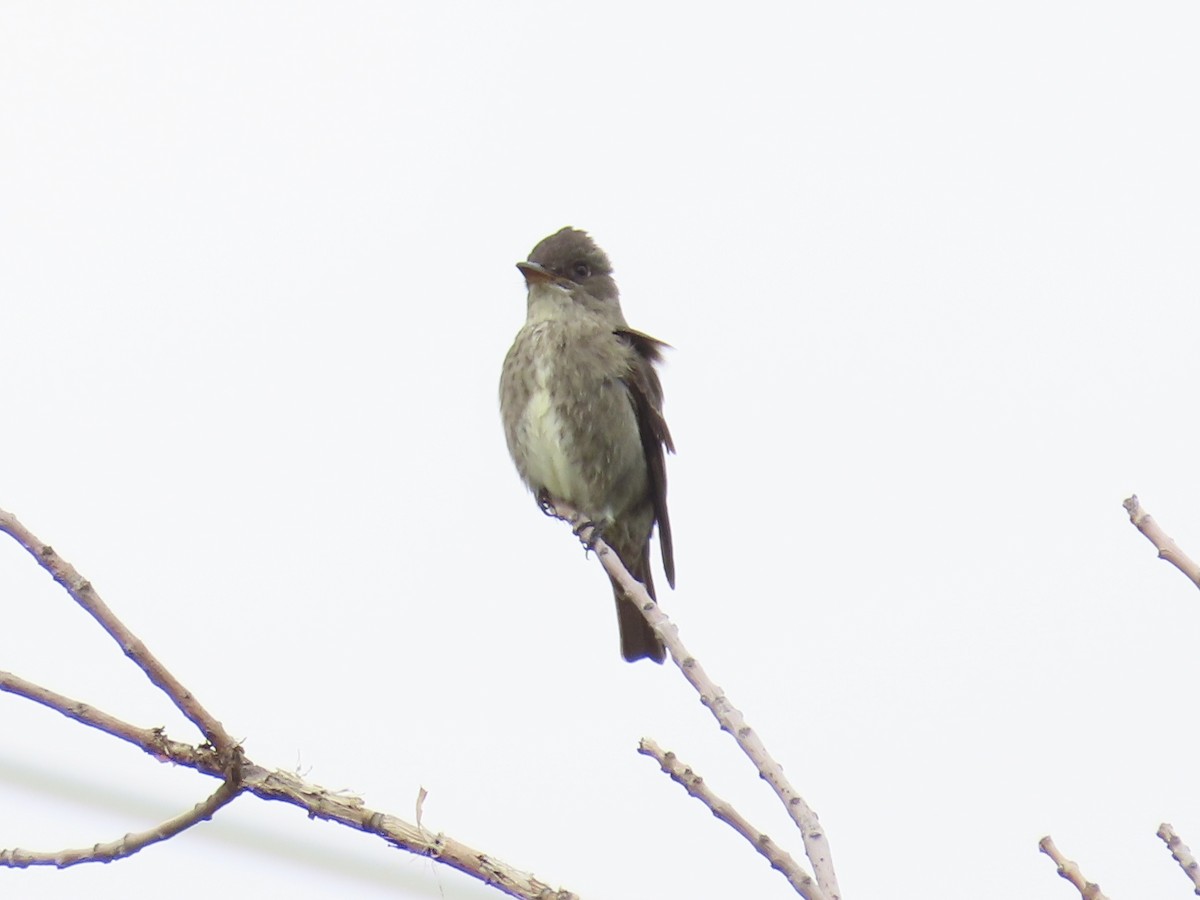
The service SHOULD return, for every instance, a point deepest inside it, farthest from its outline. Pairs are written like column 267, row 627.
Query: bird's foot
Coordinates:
column 589, row 542
column 546, row 503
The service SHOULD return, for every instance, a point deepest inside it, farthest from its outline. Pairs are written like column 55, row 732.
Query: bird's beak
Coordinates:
column 535, row 273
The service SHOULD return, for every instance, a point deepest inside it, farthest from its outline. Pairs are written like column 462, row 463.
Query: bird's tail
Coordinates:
column 638, row 640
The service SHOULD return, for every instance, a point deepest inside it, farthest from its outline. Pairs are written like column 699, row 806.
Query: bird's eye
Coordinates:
column 581, row 270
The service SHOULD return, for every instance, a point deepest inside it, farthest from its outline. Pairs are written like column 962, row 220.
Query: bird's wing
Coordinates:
column 646, row 391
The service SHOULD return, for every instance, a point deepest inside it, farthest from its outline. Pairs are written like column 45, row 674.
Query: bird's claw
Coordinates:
column 589, row 542
column 546, row 503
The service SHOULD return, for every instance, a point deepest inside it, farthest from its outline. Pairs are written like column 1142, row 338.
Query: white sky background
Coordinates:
column 930, row 273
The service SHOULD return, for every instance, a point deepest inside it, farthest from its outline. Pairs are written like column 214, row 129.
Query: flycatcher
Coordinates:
column 582, row 411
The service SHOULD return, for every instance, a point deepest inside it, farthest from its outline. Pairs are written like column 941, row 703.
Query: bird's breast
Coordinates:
column 574, row 432
column 547, row 437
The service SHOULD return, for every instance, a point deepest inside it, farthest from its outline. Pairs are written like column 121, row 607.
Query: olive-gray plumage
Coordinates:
column 582, row 412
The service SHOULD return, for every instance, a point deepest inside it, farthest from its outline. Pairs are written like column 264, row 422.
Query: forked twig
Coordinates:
column 220, row 757
column 85, row 595
column 696, row 786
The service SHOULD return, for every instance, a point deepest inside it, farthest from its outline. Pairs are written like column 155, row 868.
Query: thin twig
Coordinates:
column 1088, row 890
column 85, row 595
column 1181, row 853
column 816, row 845
column 779, row 859
column 152, row 740
column 127, row 845
column 1167, row 548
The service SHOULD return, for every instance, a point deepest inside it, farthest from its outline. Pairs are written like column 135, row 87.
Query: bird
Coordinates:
column 581, row 404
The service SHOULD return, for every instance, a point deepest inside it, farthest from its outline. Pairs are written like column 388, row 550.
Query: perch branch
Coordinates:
column 816, row 845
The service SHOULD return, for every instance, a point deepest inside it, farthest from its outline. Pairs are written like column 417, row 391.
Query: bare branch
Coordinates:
column 1181, row 853
column 316, row 801
column 695, row 786
column 815, row 843
column 222, row 758
column 85, row 595
column 1088, row 890
column 129, row 844
column 1167, row 548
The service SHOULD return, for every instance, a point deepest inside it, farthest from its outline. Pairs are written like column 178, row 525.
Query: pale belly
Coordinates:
column 549, row 450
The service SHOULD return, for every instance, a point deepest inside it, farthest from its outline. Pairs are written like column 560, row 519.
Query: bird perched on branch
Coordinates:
column 582, row 410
